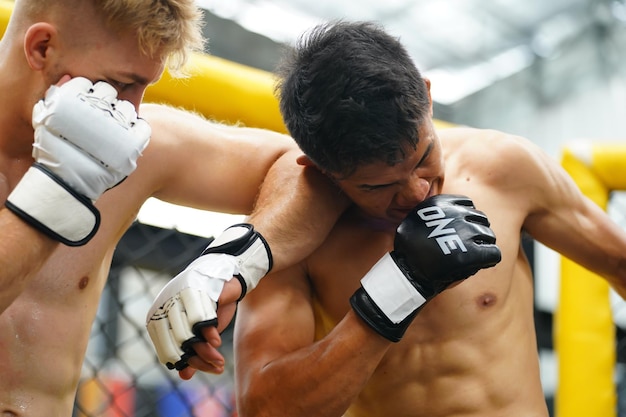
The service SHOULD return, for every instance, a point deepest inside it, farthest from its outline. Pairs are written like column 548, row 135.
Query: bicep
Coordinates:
column 576, row 227
column 208, row 165
column 274, row 319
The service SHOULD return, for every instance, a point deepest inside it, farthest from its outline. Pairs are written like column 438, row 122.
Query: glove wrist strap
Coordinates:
column 391, row 290
column 50, row 205
column 251, row 251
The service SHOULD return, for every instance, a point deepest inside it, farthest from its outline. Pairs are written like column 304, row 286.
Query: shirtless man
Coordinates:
column 354, row 101
column 50, row 290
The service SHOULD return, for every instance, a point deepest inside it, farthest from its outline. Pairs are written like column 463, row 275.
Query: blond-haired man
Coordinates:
column 72, row 186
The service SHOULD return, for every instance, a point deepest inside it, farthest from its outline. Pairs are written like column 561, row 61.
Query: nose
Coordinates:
column 413, row 192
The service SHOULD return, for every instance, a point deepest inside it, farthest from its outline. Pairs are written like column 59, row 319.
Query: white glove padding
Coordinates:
column 250, row 250
column 87, row 137
column 188, row 303
column 185, row 305
column 86, row 141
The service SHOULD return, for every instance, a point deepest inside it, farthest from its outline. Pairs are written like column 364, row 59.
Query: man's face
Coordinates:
column 116, row 59
column 390, row 192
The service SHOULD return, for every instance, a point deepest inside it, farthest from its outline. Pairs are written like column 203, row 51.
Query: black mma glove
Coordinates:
column 444, row 240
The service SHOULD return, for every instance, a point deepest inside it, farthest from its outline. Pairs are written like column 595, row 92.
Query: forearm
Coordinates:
column 22, row 253
column 617, row 279
column 322, row 379
column 296, row 209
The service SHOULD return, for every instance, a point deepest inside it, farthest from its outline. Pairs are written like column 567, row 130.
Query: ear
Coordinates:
column 430, row 99
column 305, row 161
column 38, row 41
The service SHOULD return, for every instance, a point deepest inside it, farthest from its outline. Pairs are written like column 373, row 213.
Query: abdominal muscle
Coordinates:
column 470, row 352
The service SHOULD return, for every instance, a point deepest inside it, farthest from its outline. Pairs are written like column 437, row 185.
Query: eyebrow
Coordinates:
column 429, row 149
column 427, row 152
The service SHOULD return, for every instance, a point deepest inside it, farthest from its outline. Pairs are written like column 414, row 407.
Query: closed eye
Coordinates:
column 120, row 86
column 367, row 187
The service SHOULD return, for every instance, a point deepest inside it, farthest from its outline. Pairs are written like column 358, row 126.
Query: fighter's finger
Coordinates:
column 205, row 367
column 63, row 80
column 186, row 373
column 125, row 112
column 104, row 91
column 207, row 359
column 212, row 336
column 231, row 292
column 225, row 315
column 205, row 352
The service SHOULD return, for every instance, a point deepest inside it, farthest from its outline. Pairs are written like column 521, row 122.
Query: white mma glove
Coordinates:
column 188, row 303
column 86, row 141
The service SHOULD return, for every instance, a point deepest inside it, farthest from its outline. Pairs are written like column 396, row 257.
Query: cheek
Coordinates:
column 72, row 68
column 375, row 204
column 54, row 72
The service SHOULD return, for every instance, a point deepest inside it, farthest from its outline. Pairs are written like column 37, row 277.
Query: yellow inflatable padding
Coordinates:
column 219, row 89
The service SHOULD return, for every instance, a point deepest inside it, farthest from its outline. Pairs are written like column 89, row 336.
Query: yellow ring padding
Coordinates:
column 5, row 11
column 226, row 91
column 222, row 90
column 584, row 328
column 218, row 89
column 609, row 164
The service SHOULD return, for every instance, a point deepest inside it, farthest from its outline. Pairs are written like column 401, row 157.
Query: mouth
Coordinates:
column 431, row 192
column 404, row 211
column 401, row 213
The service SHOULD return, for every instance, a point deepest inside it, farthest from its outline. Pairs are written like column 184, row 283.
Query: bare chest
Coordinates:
column 72, row 279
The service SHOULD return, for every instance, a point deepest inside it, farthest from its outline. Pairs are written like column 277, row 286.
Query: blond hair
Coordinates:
column 169, row 28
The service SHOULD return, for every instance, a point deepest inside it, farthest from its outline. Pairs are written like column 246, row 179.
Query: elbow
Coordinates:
column 251, row 405
column 260, row 398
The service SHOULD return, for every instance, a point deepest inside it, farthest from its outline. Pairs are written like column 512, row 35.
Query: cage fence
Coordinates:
column 121, row 376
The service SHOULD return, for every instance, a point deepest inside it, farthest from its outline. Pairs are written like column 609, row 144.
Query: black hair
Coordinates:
column 350, row 94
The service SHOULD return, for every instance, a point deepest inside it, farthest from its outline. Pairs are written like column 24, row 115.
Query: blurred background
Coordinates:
column 552, row 71
column 549, row 70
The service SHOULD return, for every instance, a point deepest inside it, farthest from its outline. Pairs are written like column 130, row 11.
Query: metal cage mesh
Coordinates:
column 121, row 375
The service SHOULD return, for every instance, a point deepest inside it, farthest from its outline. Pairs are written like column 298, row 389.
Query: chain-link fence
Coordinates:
column 121, row 375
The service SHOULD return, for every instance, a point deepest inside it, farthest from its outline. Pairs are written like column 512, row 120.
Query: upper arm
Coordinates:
column 22, row 253
column 209, row 165
column 562, row 218
column 273, row 320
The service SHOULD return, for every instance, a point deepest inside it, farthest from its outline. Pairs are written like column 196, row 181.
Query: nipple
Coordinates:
column 487, row 300
column 82, row 284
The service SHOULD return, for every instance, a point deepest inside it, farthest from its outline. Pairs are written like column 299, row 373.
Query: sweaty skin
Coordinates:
column 49, row 293
column 64, row 294
column 471, row 351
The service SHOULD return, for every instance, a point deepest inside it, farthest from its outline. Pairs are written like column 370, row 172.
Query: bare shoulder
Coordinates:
column 505, row 168
column 498, row 154
column 169, row 123
column 484, row 142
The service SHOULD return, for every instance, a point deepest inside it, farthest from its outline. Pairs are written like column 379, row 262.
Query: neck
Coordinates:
column 370, row 222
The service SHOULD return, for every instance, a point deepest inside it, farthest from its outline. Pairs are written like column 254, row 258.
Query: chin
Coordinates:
column 398, row 215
